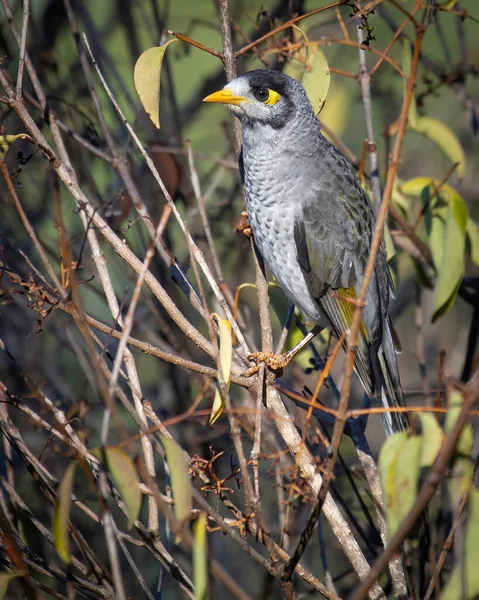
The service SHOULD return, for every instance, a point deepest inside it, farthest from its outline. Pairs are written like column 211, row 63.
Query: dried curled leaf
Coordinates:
column 61, row 513
column 224, row 367
column 147, row 76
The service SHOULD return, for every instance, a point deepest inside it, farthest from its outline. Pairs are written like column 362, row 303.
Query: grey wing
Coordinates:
column 333, row 234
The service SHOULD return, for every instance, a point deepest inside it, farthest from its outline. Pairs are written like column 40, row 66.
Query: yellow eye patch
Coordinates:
column 272, row 98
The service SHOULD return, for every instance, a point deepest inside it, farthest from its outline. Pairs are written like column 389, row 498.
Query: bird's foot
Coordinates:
column 274, row 362
column 244, row 226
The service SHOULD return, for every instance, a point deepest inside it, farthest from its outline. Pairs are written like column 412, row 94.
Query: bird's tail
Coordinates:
column 388, row 384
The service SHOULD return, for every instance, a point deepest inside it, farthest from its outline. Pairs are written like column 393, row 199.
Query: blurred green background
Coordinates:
column 118, row 31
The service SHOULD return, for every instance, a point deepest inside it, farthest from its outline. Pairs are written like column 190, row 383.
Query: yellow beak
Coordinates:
column 225, row 97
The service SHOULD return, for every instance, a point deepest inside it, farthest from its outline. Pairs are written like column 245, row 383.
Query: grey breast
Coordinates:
column 274, row 192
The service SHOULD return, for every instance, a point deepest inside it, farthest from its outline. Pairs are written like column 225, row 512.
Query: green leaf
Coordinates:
column 406, row 477
column 179, row 477
column 445, row 220
column 464, row 581
column 461, row 479
column 125, row 479
column 439, row 133
column 224, row 367
column 388, row 457
column 466, row 440
column 7, row 140
column 200, row 558
column 472, row 241
column 5, row 579
column 452, row 266
column 61, row 513
column 147, row 76
column 311, row 69
column 317, row 79
column 433, row 438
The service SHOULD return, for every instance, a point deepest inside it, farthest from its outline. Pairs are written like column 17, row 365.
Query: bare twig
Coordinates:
column 23, row 46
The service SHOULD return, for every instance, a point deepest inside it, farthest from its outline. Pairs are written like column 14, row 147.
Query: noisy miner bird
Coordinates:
column 313, row 224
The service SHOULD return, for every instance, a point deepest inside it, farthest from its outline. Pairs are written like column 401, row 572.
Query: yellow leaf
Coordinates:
column 61, row 514
column 224, row 366
column 200, row 558
column 125, row 479
column 7, row 140
column 439, row 133
column 147, row 76
column 449, row 5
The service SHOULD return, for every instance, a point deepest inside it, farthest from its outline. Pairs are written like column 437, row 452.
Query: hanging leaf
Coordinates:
column 125, row 479
column 6, row 578
column 451, row 269
column 472, row 241
column 147, row 76
column 7, row 140
column 462, row 469
column 433, row 438
column 317, row 79
column 61, row 513
column 179, row 478
column 224, row 367
column 388, row 457
column 464, row 581
column 200, row 558
column 439, row 133
column 466, row 439
column 445, row 219
column 406, row 477
column 310, row 67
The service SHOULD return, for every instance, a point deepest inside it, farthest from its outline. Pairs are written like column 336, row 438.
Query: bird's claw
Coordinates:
column 274, row 362
column 244, row 226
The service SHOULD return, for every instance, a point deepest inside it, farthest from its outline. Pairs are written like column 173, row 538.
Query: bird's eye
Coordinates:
column 262, row 94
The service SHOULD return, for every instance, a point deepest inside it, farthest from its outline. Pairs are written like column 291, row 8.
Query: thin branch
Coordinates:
column 196, row 251
column 23, row 46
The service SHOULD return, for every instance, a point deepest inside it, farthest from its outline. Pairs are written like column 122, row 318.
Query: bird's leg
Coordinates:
column 276, row 362
column 244, row 226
